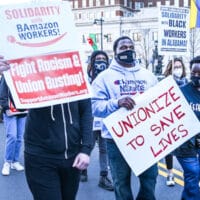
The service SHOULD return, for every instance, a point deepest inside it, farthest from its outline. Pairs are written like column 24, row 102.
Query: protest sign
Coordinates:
column 160, row 122
column 47, row 80
column 32, row 29
column 39, row 40
column 173, row 35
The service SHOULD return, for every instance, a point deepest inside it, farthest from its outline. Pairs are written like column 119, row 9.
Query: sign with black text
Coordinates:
column 173, row 35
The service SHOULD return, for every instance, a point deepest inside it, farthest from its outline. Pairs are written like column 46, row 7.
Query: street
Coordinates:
column 14, row 187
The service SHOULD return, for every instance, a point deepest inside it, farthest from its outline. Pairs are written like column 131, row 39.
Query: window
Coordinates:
column 125, row 3
column 185, row 4
column 154, row 36
column 139, row 5
column 98, row 3
column 91, row 3
column 75, row 4
column 98, row 37
column 112, row 2
column 106, row 2
column 176, row 3
column 83, row 39
column 83, row 3
column 136, row 37
column 150, row 4
column 130, row 4
column 108, row 37
column 167, row 3
column 71, row 4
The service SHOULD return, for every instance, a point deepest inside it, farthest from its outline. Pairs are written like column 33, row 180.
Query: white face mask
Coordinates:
column 178, row 72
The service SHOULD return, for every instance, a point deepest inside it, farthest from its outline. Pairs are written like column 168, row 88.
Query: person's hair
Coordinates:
column 92, row 60
column 194, row 60
column 168, row 70
column 117, row 41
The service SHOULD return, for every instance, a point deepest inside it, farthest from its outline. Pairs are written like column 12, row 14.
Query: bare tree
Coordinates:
column 144, row 48
column 194, row 42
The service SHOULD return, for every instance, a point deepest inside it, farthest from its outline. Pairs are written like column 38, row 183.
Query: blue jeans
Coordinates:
column 191, row 169
column 14, row 128
column 121, row 175
column 103, row 160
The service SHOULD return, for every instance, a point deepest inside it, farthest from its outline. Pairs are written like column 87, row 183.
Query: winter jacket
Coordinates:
column 115, row 83
column 6, row 100
column 60, row 131
column 192, row 95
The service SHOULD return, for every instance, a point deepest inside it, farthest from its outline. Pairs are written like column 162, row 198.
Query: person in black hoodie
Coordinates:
column 57, row 145
column 58, row 142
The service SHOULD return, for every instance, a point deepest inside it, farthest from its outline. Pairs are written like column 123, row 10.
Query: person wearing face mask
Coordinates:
column 99, row 61
column 177, row 69
column 188, row 154
column 114, row 88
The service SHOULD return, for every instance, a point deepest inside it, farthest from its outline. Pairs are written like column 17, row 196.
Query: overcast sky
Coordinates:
column 4, row 2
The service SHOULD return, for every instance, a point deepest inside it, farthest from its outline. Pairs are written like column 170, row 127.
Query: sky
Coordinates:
column 5, row 2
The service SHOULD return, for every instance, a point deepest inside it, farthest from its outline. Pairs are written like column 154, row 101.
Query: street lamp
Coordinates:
column 100, row 21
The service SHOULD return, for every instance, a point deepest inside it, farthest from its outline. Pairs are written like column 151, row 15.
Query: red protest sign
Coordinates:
column 47, row 80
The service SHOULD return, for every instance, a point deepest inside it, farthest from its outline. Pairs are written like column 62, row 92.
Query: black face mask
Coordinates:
column 127, row 57
column 99, row 66
column 195, row 80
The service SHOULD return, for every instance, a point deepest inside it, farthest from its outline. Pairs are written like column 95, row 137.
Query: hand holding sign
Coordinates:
column 126, row 102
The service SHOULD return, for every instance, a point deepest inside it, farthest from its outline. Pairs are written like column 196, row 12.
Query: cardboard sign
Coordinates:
column 159, row 123
column 173, row 35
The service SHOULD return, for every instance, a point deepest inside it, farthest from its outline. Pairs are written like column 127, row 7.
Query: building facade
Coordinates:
column 109, row 19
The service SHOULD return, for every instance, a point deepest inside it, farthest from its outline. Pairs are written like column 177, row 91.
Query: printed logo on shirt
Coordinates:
column 195, row 107
column 131, row 87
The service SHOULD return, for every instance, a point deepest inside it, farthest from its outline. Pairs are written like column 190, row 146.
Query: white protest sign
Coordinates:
column 160, row 122
column 31, row 29
column 39, row 41
column 173, row 34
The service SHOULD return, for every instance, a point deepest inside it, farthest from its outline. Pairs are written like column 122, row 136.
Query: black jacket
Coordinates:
column 6, row 100
column 191, row 147
column 60, row 131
